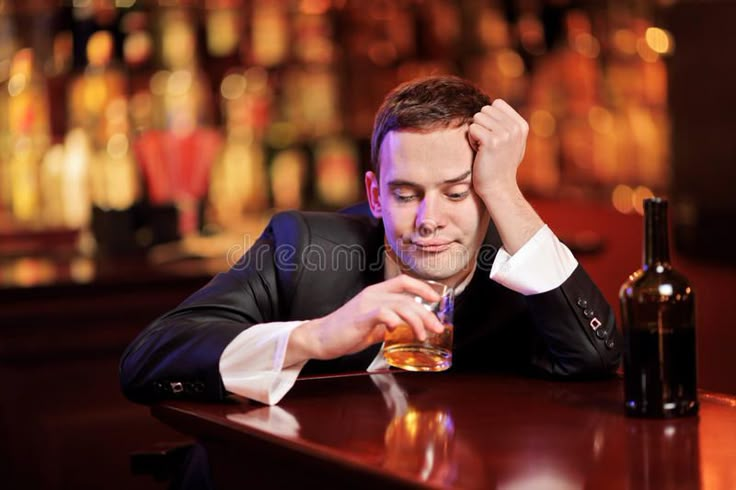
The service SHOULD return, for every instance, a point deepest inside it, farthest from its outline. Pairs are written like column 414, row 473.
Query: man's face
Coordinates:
column 433, row 219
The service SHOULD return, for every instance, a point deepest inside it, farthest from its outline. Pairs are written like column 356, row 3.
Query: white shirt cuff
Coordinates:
column 252, row 364
column 541, row 265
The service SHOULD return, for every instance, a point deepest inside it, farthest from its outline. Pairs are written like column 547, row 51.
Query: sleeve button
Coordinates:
column 601, row 333
column 589, row 313
column 610, row 344
column 582, row 303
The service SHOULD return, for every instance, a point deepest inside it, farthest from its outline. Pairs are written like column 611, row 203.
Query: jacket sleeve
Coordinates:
column 178, row 354
column 576, row 329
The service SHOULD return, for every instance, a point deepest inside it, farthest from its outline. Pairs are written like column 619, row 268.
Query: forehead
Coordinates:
column 426, row 156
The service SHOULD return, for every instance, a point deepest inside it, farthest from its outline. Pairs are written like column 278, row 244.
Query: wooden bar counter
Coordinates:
column 64, row 424
column 456, row 430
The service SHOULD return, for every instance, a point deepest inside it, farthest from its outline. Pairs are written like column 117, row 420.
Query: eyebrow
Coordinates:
column 454, row 180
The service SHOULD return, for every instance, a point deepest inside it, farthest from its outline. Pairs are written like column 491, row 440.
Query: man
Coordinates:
column 316, row 292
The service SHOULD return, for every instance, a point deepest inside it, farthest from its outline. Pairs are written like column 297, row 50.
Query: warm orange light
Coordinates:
column 645, row 52
column 659, row 40
column 117, row 145
column 587, row 45
column 17, row 84
column 99, row 48
column 640, row 193
column 158, row 82
column 510, row 64
column 621, row 198
column 543, row 123
column 600, row 120
column 179, row 83
column 314, row 7
column 531, row 34
column 382, row 53
column 624, row 40
column 233, row 86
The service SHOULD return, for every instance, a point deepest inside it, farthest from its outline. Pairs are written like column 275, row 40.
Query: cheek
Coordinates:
column 398, row 218
column 473, row 220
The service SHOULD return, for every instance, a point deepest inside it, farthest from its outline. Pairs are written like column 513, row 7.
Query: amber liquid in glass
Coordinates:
column 401, row 349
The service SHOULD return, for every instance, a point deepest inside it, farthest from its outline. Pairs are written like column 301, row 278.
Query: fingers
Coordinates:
column 410, row 285
column 509, row 111
column 500, row 117
column 494, row 122
column 503, row 113
column 403, row 309
column 419, row 318
column 399, row 305
column 412, row 317
column 499, row 127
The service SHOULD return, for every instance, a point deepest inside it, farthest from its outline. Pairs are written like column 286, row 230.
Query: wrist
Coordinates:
column 500, row 191
column 302, row 344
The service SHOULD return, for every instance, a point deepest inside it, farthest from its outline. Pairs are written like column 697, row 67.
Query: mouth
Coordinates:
column 429, row 247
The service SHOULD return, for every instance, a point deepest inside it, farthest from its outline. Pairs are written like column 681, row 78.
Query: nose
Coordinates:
column 429, row 216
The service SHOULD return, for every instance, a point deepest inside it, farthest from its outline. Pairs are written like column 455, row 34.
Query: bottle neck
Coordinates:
column 656, row 244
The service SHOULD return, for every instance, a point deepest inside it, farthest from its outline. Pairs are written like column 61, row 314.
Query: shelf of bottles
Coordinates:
column 187, row 116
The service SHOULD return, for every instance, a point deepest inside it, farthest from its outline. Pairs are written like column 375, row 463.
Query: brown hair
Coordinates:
column 424, row 104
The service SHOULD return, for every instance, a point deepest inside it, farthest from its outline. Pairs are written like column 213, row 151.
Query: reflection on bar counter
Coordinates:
column 120, row 116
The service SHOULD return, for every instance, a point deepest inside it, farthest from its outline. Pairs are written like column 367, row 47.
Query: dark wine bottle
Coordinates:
column 658, row 323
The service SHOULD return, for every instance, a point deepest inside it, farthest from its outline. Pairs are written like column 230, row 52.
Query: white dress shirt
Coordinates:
column 252, row 365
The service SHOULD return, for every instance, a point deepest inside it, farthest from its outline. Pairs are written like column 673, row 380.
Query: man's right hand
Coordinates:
column 362, row 321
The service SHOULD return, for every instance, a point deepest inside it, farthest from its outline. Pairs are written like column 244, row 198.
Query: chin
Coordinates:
column 426, row 269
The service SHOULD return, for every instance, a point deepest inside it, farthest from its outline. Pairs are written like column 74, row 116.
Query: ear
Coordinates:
column 373, row 192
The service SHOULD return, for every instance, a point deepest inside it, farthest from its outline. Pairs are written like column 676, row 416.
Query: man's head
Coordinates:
column 425, row 104
column 421, row 180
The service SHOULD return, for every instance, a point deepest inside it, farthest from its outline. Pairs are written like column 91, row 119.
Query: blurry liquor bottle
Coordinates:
column 311, row 87
column 336, row 172
column 181, row 87
column 58, row 76
column 288, row 178
column 566, row 83
column 64, row 181
column 224, row 30
column 27, row 136
column 100, row 109
column 138, row 46
column 101, row 82
column 177, row 155
column 239, row 181
column 270, row 32
column 497, row 66
column 311, row 100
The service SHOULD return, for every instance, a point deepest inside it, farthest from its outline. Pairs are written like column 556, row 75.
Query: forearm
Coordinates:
column 569, row 313
column 577, row 327
column 515, row 219
column 302, row 344
column 159, row 363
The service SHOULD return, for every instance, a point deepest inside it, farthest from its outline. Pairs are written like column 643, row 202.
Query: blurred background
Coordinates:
column 219, row 109
column 144, row 144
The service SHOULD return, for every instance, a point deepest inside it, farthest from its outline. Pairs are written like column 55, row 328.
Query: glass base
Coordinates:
column 418, row 357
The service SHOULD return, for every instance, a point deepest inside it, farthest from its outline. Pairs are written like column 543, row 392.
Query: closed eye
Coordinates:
column 404, row 196
column 404, row 193
column 458, row 196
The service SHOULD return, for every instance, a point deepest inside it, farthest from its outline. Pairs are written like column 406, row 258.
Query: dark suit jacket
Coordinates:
column 306, row 265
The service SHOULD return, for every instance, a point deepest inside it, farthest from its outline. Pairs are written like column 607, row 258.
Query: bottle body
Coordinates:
column 658, row 324
column 659, row 344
